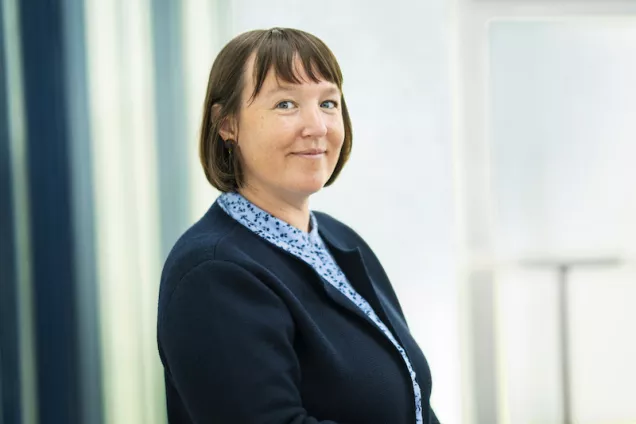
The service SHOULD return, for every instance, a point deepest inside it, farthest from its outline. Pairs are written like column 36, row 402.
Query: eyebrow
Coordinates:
column 290, row 87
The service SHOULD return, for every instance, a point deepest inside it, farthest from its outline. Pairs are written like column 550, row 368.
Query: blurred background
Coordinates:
column 494, row 143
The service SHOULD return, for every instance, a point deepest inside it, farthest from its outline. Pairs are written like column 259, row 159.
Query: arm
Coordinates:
column 227, row 340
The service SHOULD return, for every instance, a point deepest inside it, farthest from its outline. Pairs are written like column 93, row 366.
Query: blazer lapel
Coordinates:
column 338, row 297
column 352, row 264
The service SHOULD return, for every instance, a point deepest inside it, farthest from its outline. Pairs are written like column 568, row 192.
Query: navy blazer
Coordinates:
column 250, row 334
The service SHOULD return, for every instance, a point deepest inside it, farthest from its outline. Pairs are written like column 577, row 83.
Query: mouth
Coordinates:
column 311, row 153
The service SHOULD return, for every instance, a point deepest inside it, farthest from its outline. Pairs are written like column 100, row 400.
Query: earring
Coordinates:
column 228, row 145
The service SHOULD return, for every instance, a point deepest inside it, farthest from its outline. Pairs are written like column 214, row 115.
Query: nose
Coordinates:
column 314, row 124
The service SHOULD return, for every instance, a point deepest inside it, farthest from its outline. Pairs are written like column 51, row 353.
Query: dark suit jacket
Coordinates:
column 250, row 334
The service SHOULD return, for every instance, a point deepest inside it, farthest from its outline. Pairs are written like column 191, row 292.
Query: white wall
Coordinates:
column 492, row 235
column 564, row 145
column 564, row 134
column 397, row 190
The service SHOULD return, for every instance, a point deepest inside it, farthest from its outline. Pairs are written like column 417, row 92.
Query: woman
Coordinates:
column 270, row 313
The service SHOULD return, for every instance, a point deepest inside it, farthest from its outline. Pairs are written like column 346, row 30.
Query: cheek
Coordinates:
column 283, row 129
column 266, row 142
column 337, row 134
column 276, row 140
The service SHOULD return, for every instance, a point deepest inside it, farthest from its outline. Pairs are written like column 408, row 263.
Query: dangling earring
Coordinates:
column 228, row 145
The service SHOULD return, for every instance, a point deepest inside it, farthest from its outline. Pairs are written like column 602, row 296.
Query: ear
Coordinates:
column 227, row 129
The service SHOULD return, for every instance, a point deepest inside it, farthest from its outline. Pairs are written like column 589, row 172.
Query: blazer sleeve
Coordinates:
column 434, row 419
column 227, row 341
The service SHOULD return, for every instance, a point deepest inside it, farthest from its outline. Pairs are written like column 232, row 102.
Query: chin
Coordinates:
column 309, row 187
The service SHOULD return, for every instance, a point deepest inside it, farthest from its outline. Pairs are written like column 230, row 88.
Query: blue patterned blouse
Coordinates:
column 310, row 248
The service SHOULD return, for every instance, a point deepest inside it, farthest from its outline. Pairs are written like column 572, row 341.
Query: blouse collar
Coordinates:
column 267, row 225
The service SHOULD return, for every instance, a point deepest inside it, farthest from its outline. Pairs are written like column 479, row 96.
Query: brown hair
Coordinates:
column 275, row 49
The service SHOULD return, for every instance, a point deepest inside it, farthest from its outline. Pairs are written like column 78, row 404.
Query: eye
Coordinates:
column 285, row 104
column 334, row 104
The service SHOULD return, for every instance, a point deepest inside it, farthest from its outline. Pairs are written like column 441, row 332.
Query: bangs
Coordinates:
column 279, row 49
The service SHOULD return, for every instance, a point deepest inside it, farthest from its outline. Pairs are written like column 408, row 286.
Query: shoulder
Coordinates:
column 328, row 223
column 199, row 243
column 338, row 233
column 342, row 237
column 216, row 240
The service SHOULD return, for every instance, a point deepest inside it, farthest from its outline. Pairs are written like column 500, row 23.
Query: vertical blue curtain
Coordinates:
column 49, row 194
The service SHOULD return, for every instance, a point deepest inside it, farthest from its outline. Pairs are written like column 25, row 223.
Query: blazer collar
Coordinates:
column 351, row 261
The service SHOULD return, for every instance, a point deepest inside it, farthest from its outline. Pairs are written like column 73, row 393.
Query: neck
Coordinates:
column 292, row 210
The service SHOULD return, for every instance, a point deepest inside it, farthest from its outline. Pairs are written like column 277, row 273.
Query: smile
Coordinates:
column 311, row 154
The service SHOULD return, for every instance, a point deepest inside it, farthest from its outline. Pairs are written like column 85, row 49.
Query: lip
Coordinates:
column 311, row 153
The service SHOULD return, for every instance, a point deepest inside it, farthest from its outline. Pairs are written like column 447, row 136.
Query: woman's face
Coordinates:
column 290, row 135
